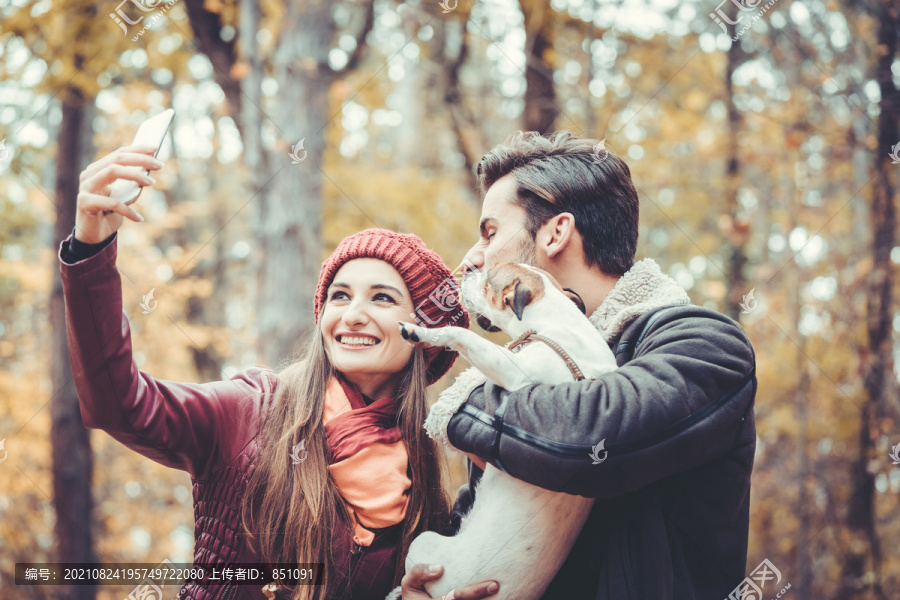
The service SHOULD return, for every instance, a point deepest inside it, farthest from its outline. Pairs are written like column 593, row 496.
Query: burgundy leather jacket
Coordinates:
column 207, row 429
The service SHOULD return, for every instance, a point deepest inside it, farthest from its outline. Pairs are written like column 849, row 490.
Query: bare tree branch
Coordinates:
column 360, row 48
column 221, row 54
column 468, row 136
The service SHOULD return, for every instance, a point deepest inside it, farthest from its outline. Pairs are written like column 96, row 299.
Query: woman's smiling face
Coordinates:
column 359, row 324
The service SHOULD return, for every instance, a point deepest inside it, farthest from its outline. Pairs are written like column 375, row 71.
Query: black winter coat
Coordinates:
column 673, row 493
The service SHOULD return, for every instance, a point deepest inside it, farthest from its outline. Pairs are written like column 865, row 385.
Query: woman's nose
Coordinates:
column 355, row 314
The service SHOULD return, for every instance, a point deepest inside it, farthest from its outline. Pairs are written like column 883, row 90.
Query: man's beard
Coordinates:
column 526, row 254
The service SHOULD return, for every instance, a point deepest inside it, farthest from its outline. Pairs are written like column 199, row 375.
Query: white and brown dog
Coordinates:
column 516, row 533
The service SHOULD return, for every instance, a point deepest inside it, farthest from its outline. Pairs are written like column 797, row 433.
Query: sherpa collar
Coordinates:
column 642, row 289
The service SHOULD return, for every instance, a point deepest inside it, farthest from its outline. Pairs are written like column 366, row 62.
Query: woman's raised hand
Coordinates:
column 97, row 215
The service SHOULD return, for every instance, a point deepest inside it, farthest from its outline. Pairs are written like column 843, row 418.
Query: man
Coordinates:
column 672, row 478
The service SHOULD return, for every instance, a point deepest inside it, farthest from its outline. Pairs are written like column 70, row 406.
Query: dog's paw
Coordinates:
column 419, row 337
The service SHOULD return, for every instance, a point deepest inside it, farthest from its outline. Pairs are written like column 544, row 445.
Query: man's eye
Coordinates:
column 338, row 295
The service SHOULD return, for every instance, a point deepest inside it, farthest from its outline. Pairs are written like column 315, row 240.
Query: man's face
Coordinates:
column 503, row 235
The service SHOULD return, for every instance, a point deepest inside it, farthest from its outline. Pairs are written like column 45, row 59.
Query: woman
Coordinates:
column 325, row 461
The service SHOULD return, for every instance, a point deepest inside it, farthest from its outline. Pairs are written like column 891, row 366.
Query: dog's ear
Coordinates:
column 518, row 298
column 574, row 297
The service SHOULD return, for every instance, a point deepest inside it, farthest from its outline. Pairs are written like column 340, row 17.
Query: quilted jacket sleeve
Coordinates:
column 189, row 426
column 679, row 403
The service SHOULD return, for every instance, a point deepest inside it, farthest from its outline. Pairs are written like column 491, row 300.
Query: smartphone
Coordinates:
column 152, row 132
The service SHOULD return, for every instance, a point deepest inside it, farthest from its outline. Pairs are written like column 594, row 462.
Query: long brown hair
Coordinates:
column 289, row 514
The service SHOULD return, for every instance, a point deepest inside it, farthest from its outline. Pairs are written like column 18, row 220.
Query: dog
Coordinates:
column 516, row 533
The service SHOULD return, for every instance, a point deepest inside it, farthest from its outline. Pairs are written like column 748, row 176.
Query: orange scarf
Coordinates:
column 369, row 458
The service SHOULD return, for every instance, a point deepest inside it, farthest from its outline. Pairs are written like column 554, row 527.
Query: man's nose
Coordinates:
column 473, row 261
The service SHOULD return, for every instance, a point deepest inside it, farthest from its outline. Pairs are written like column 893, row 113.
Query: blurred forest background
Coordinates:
column 764, row 157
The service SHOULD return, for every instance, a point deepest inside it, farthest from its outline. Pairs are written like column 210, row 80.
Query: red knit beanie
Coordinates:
column 434, row 291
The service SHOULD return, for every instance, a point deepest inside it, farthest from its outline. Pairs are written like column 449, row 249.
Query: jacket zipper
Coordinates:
column 229, row 587
column 355, row 550
column 231, row 590
column 577, row 450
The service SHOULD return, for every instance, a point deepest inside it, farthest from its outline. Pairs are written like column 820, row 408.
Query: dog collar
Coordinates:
column 531, row 335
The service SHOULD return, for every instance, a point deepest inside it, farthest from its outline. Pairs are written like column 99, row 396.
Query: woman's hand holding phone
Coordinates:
column 97, row 215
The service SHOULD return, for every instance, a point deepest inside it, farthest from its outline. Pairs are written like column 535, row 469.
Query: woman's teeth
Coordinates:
column 357, row 341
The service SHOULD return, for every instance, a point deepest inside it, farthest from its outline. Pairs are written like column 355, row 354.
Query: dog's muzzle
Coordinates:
column 471, row 285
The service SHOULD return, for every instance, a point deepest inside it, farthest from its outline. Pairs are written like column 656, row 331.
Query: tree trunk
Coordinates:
column 251, row 87
column 540, row 94
column 452, row 39
column 802, row 555
column 862, row 567
column 590, row 114
column 407, row 147
column 287, row 222
column 740, row 225
column 288, row 229
column 72, row 461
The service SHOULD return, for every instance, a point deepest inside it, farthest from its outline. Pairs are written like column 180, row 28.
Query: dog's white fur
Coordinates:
column 516, row 533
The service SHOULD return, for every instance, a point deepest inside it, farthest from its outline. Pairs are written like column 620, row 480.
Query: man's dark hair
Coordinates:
column 563, row 173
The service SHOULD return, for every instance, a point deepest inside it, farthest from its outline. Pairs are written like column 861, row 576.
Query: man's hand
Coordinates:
column 475, row 459
column 413, row 585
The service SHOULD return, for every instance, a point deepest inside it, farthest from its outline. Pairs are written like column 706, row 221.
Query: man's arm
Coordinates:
column 679, row 403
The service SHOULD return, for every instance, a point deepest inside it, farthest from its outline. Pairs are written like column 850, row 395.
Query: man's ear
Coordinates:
column 518, row 298
column 574, row 297
column 557, row 233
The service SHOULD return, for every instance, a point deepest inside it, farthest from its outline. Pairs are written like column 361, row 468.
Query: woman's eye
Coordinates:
column 493, row 233
column 384, row 298
column 337, row 295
